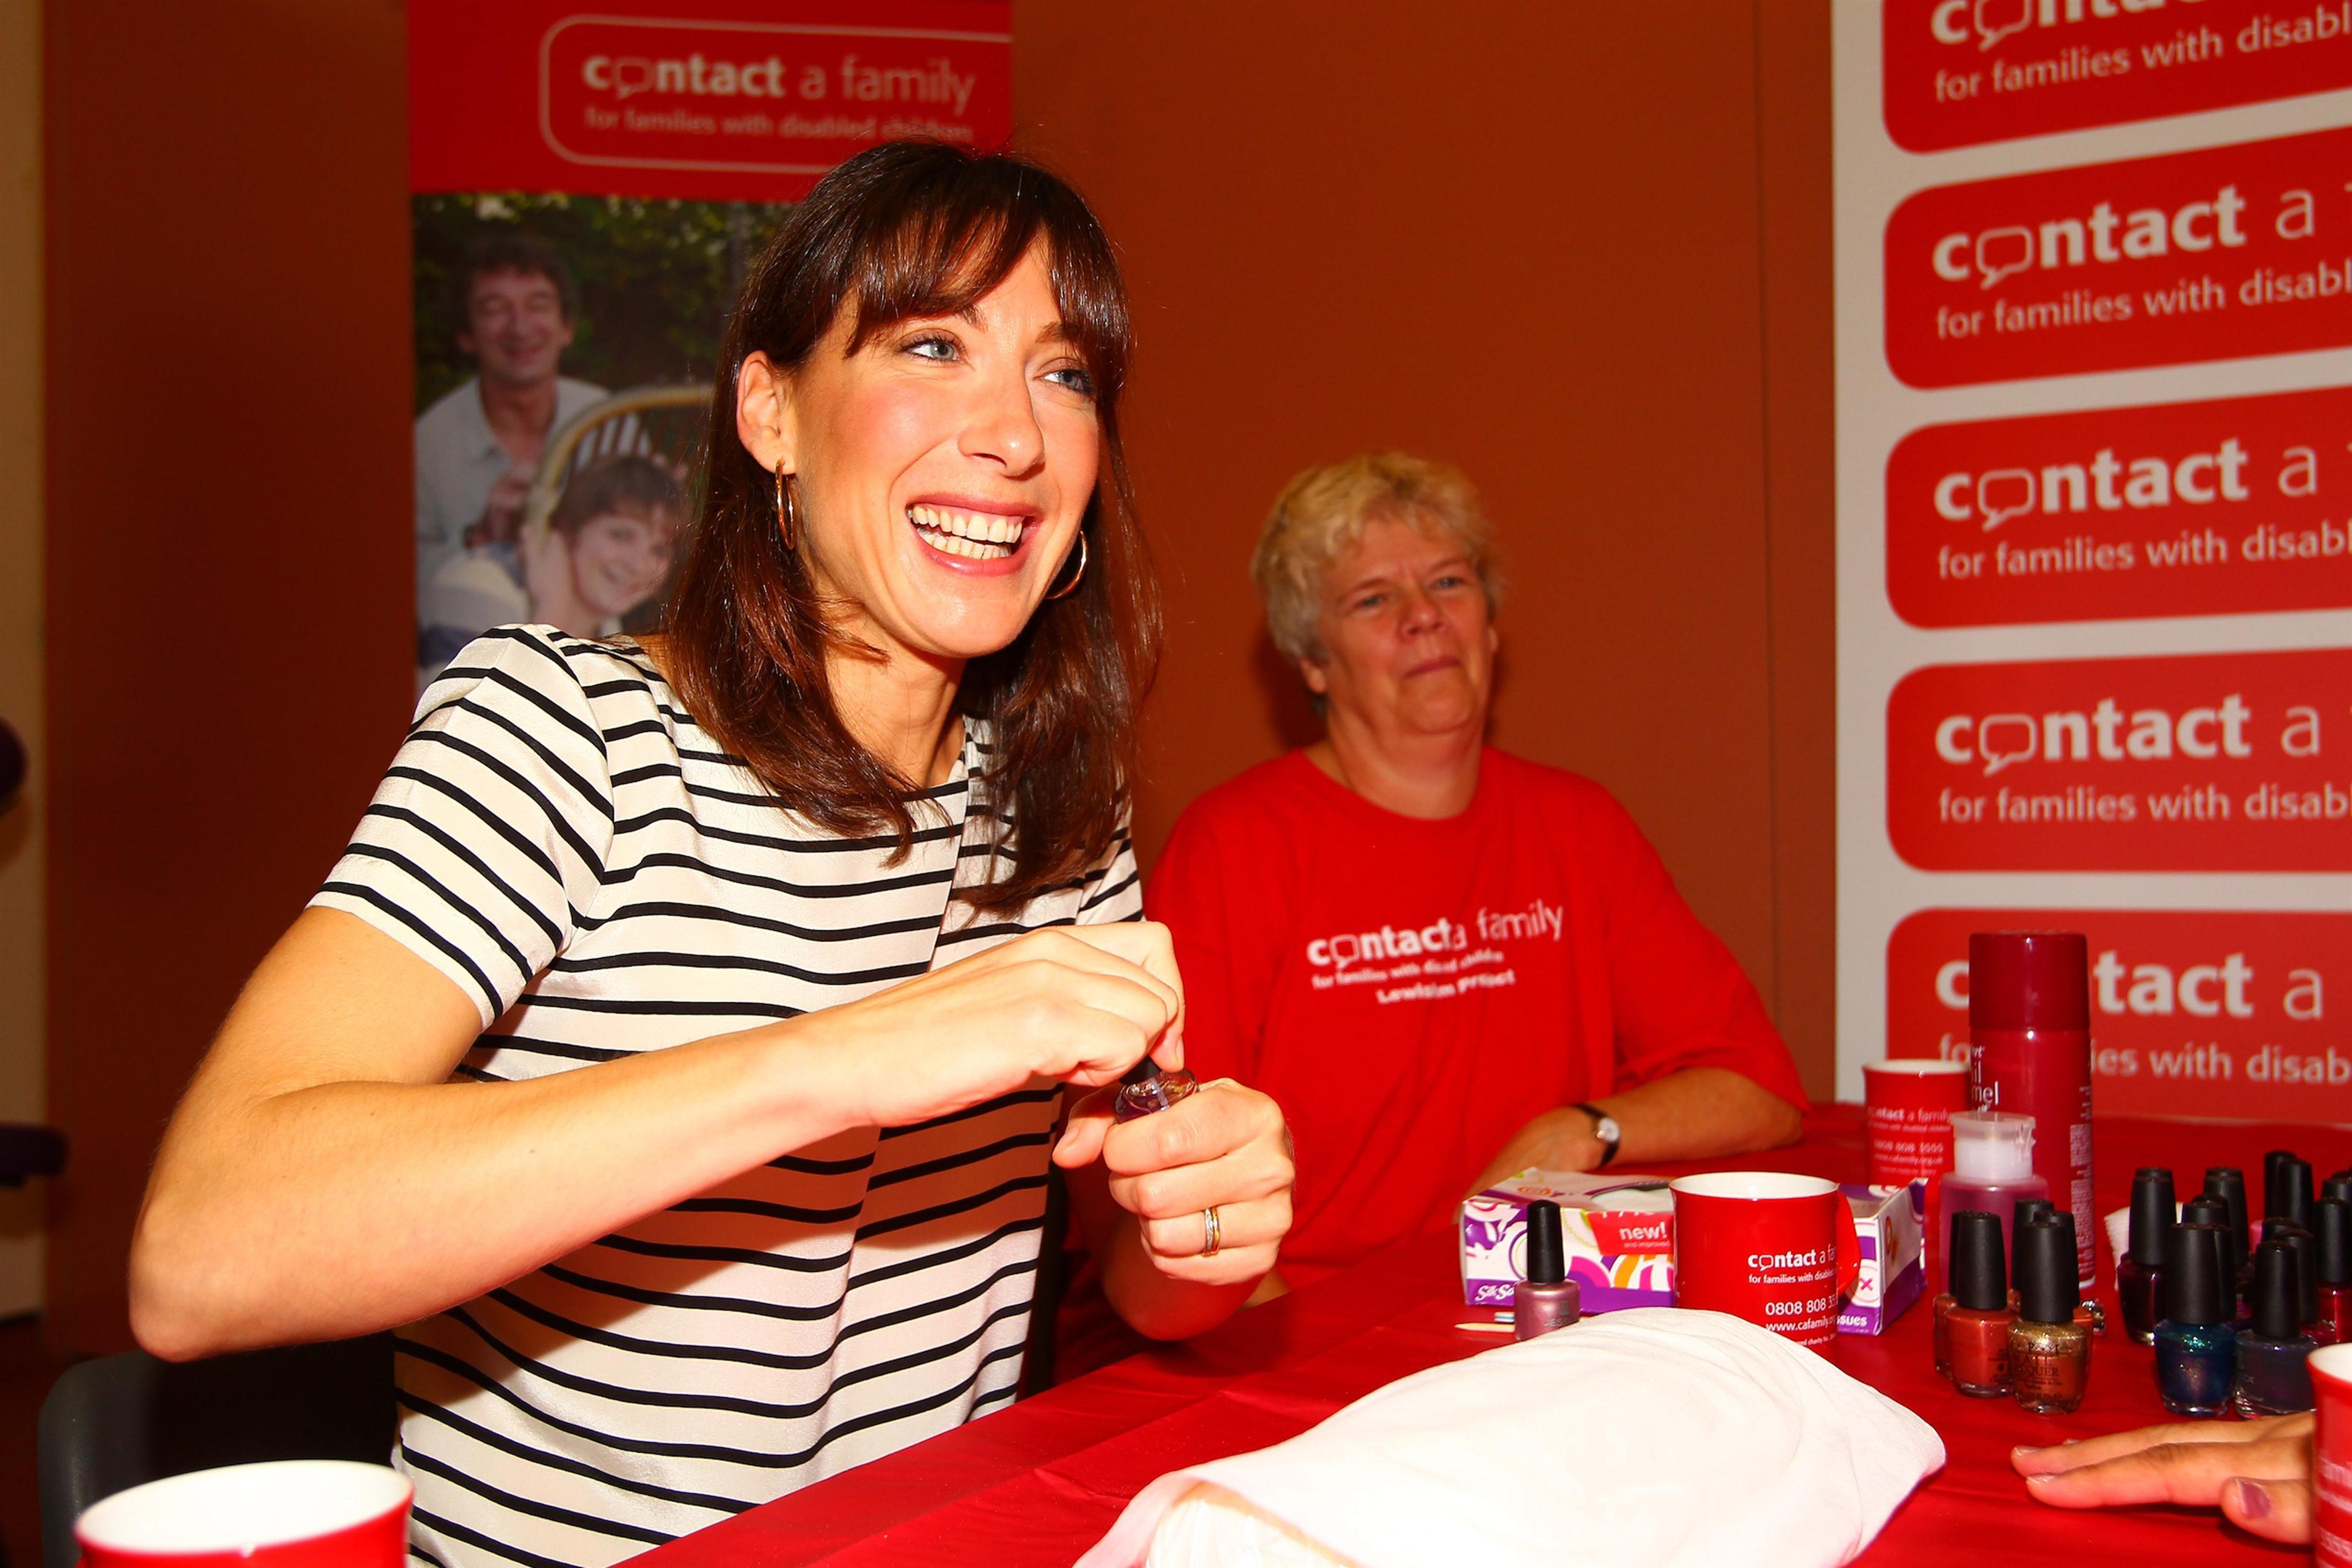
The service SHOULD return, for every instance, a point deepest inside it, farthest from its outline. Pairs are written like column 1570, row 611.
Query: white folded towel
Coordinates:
column 1648, row 1438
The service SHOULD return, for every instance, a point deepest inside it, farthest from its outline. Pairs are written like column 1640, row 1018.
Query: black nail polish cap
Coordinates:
column 2333, row 1218
column 1144, row 1071
column 1547, row 1254
column 2046, row 1288
column 2228, row 1183
column 2273, row 1184
column 2292, row 1199
column 2306, row 1259
column 2152, row 1216
column 2193, row 1283
column 1979, row 1280
column 2026, row 1210
column 2277, row 1292
column 2338, row 1186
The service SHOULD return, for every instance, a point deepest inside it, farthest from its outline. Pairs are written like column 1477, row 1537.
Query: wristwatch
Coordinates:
column 1604, row 1127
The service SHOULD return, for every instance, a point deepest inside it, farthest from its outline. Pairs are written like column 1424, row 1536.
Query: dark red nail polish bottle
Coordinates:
column 2333, row 1323
column 2139, row 1278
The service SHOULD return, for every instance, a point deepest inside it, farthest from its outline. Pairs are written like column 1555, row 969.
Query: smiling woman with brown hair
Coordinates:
column 678, row 1049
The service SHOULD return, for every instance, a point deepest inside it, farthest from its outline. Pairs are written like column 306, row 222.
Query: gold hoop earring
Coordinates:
column 787, row 513
column 1077, row 577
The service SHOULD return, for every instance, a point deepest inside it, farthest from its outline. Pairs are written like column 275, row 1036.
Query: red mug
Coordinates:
column 287, row 1513
column 1908, row 1104
column 1780, row 1250
column 2331, row 1457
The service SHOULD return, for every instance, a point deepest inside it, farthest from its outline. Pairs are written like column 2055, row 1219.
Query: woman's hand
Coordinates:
column 1080, row 1004
column 1224, row 1148
column 2257, row 1472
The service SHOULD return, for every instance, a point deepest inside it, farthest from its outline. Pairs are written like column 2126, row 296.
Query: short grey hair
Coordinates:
column 1324, row 511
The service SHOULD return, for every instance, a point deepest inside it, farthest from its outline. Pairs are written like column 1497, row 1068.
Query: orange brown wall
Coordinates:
column 1581, row 250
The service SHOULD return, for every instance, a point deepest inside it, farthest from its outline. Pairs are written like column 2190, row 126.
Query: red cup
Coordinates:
column 2331, row 1457
column 287, row 1513
column 1908, row 1104
column 1780, row 1250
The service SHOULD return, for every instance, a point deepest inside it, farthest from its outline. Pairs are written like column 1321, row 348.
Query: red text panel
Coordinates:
column 2206, row 762
column 722, row 100
column 2218, row 254
column 2195, row 508
column 1958, row 72
column 2233, row 1014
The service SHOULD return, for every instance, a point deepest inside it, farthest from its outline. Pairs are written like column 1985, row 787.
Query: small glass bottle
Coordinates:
column 1146, row 1089
column 1992, row 1167
column 1980, row 1318
column 2226, row 1185
column 2139, row 1278
column 2196, row 1352
column 2273, row 1378
column 1546, row 1299
column 2333, row 1219
column 2049, row 1352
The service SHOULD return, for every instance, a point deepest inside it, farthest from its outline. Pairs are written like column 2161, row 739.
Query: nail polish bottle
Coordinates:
column 1146, row 1089
column 1992, row 1167
column 2333, row 1218
column 2272, row 1376
column 1980, row 1315
column 2226, row 1186
column 2286, row 1188
column 1945, row 1300
column 2337, row 1186
column 2049, row 1352
column 2140, row 1276
column 1546, row 1299
column 2306, row 1247
column 2021, row 1213
column 2196, row 1353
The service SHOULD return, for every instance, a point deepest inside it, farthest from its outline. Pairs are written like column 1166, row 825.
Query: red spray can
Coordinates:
column 2030, row 1029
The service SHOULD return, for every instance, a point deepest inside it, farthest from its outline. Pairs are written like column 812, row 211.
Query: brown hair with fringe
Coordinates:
column 903, row 230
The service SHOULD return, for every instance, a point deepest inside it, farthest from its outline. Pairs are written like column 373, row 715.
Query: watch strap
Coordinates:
column 1601, row 1119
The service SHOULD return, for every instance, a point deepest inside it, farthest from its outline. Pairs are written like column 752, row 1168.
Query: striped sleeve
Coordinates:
column 490, row 832
column 1114, row 889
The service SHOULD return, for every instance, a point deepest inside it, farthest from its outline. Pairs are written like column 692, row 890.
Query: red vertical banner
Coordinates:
column 2094, row 530
column 588, row 192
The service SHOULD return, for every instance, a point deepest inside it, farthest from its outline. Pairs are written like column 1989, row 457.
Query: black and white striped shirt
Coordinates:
column 567, row 846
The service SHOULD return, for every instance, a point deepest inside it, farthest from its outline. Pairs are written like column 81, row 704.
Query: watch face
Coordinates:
column 1606, row 1130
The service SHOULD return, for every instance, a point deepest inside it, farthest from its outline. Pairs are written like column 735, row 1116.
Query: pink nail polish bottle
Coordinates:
column 1546, row 1299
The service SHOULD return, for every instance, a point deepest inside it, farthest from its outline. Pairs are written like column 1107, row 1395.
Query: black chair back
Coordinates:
column 123, row 1419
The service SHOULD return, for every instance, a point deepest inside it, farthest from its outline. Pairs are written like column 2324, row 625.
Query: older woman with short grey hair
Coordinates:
column 1448, row 963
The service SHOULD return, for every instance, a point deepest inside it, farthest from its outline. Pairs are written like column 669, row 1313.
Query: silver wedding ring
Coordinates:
column 1213, row 1231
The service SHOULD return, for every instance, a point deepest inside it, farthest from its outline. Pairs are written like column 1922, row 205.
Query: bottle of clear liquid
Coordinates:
column 1992, row 1167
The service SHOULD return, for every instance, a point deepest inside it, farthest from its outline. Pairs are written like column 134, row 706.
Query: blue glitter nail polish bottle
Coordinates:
column 2196, row 1350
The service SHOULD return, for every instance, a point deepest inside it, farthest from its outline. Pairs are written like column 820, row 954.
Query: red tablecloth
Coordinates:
column 1040, row 1483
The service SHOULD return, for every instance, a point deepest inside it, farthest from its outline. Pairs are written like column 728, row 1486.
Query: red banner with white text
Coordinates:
column 588, row 191
column 2095, row 529
column 2223, row 1011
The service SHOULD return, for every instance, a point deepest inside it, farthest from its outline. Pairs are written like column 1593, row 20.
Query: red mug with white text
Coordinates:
column 2331, row 1457
column 1781, row 1251
column 286, row 1513
column 1908, row 1105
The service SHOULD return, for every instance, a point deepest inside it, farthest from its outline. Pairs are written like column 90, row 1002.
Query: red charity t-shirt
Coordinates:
column 1411, row 992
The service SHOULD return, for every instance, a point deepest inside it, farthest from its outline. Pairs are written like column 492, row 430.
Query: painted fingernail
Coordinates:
column 2040, row 1481
column 2022, row 1450
column 2253, row 1499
